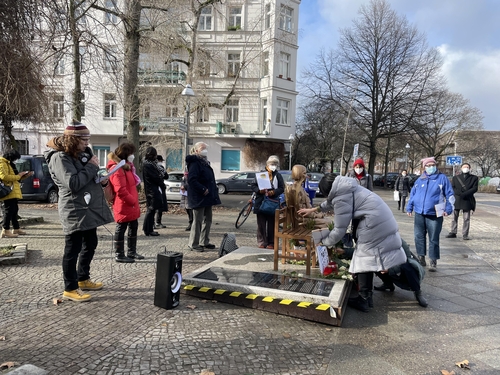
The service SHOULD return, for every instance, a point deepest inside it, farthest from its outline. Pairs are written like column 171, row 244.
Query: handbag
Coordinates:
column 269, row 206
column 109, row 193
column 4, row 190
column 396, row 195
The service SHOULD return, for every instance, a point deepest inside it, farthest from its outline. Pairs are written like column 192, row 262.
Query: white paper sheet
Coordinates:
column 440, row 207
column 113, row 170
column 322, row 254
column 263, row 181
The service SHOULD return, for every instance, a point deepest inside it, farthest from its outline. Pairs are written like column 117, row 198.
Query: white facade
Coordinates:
column 258, row 36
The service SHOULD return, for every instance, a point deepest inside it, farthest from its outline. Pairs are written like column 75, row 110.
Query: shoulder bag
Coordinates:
column 4, row 190
column 269, row 206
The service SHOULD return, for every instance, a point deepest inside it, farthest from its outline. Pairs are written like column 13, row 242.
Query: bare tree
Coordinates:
column 22, row 96
column 384, row 66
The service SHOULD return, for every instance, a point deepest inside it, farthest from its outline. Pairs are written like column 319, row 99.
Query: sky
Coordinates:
column 465, row 32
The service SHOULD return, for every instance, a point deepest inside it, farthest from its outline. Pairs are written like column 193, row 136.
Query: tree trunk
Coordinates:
column 76, row 109
column 130, row 80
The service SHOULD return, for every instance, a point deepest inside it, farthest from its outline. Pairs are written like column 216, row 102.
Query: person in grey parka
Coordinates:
column 82, row 206
column 378, row 243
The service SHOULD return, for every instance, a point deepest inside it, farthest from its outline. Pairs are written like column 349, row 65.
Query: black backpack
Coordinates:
column 228, row 244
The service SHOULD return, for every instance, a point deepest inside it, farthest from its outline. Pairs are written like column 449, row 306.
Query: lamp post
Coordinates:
column 188, row 93
column 407, row 147
column 290, row 138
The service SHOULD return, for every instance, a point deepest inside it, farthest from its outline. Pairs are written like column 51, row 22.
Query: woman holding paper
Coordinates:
column 126, row 207
column 267, row 184
column 431, row 198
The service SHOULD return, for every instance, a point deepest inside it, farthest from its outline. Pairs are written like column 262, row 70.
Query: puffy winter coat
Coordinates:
column 378, row 245
column 366, row 180
column 126, row 205
column 428, row 191
column 201, row 178
column 153, row 188
column 402, row 185
column 279, row 188
column 82, row 205
column 10, row 179
column 464, row 195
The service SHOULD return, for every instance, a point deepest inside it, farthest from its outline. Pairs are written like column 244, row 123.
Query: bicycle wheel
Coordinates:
column 243, row 215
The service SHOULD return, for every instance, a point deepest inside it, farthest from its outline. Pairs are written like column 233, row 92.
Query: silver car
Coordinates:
column 173, row 184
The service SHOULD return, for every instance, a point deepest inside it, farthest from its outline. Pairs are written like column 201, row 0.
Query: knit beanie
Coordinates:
column 428, row 160
column 360, row 162
column 77, row 129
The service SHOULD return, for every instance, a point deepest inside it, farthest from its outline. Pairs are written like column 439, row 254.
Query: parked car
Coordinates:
column 314, row 179
column 239, row 182
column 391, row 180
column 287, row 176
column 173, row 186
column 498, row 188
column 40, row 186
column 377, row 179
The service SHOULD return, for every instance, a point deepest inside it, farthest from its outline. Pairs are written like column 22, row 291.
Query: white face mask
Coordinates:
column 203, row 153
column 403, row 174
column 358, row 170
column 465, row 170
column 272, row 167
column 130, row 158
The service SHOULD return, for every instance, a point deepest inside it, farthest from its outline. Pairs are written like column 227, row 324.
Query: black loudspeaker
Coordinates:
column 168, row 280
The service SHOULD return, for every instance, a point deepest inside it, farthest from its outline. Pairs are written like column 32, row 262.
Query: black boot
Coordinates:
column 120, row 253
column 420, row 298
column 385, row 286
column 189, row 226
column 358, row 303
column 132, row 248
column 370, row 300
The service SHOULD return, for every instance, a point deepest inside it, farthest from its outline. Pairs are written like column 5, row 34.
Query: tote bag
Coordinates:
column 269, row 206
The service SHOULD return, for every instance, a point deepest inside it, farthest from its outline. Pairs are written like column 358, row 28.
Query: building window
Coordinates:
column 58, row 106
column 110, row 18
column 202, row 114
column 59, row 66
column 171, row 110
column 232, row 110
column 205, row 23
column 265, row 63
column 264, row 114
column 235, row 18
column 109, row 105
column 204, row 69
column 146, row 111
column 230, row 160
column 267, row 22
column 282, row 111
column 102, row 154
column 284, row 65
column 286, row 16
column 110, row 62
column 233, row 64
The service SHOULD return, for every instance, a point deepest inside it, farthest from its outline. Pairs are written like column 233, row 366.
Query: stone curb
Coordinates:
column 18, row 256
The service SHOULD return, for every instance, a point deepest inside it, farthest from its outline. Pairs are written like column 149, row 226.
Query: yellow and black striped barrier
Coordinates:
column 322, row 313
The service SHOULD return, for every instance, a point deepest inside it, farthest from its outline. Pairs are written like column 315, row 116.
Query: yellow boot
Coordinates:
column 7, row 234
column 18, row 231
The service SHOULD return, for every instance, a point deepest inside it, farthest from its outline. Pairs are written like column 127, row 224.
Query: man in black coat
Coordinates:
column 464, row 186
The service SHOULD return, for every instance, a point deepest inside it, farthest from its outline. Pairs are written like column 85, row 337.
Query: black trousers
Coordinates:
column 79, row 248
column 190, row 215
column 149, row 221
column 11, row 209
column 407, row 279
column 122, row 227
column 365, row 284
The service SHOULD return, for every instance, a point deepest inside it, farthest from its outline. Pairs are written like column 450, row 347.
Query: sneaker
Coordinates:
column 89, row 285
column 433, row 265
column 159, row 226
column 188, row 228
column 451, row 235
column 421, row 260
column 466, row 238
column 420, row 298
column 199, row 249
column 76, row 295
column 209, row 246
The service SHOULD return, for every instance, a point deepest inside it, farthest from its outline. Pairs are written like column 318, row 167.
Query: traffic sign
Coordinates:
column 453, row 160
column 356, row 149
column 182, row 128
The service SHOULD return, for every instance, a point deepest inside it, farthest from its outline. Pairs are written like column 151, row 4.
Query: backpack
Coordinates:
column 228, row 244
column 109, row 193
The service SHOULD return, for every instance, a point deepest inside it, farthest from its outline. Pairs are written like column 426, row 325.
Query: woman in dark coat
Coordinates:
column 265, row 223
column 153, row 181
column 402, row 185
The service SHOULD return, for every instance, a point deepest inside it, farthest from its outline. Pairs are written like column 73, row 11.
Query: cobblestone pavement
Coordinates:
column 121, row 332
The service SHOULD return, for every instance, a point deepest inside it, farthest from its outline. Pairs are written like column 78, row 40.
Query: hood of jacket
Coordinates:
column 114, row 159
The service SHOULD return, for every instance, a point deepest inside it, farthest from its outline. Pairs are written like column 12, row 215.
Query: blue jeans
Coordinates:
column 427, row 225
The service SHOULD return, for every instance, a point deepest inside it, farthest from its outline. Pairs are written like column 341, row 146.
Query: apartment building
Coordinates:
column 243, row 75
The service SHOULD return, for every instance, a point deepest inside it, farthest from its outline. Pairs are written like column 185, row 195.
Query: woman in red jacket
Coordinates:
column 126, row 204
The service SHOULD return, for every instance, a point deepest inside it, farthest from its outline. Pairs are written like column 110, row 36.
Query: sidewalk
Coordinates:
column 121, row 332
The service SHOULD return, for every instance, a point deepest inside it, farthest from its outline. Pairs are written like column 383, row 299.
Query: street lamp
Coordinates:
column 188, row 93
column 290, row 138
column 406, row 158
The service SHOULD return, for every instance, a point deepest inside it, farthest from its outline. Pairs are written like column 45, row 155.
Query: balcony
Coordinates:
column 160, row 77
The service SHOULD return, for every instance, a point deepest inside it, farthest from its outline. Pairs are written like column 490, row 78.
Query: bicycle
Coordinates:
column 245, row 212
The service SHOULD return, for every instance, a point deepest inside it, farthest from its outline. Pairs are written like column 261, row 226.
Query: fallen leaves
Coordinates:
column 10, row 301
column 286, row 335
column 2, row 338
column 192, row 307
column 463, row 364
column 56, row 301
column 8, row 365
column 446, row 372
column 207, row 372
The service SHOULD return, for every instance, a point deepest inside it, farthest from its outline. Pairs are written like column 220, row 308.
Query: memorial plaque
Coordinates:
column 268, row 280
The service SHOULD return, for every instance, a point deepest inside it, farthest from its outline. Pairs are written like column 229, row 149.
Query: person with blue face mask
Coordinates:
column 432, row 188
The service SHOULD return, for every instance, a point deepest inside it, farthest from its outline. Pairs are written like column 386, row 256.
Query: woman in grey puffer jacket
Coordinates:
column 378, row 243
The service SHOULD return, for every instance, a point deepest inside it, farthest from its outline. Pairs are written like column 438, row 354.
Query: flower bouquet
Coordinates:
column 338, row 269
